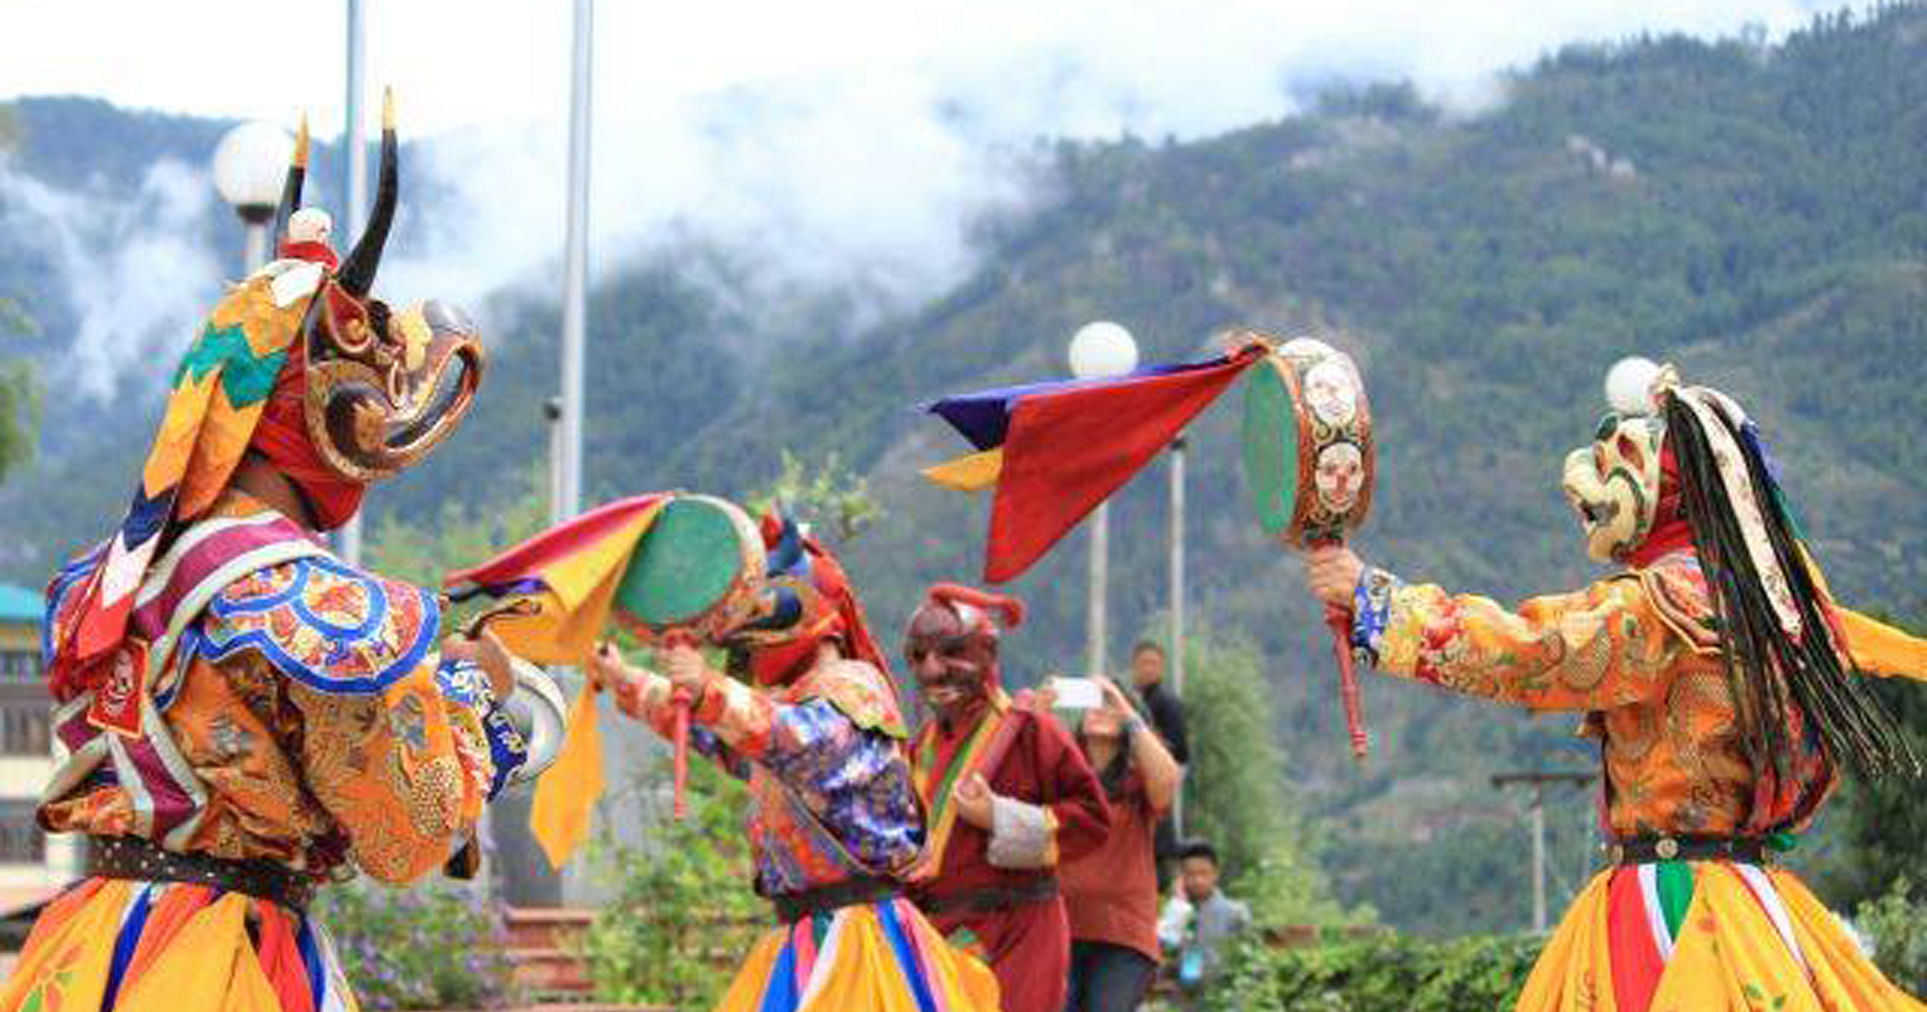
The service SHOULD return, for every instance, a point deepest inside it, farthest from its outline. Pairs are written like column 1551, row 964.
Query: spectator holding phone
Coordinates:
column 1166, row 714
column 1111, row 893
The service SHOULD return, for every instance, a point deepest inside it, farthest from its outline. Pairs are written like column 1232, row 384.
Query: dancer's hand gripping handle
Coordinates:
column 1333, row 574
column 681, row 700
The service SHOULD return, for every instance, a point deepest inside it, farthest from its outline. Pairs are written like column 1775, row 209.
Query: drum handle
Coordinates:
column 1339, row 620
column 680, row 703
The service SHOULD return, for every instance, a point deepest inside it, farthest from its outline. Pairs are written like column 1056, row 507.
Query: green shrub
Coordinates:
column 683, row 916
column 432, row 946
column 1236, row 792
column 1898, row 924
column 1389, row 973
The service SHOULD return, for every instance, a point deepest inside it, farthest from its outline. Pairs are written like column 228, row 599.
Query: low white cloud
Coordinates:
column 849, row 143
column 131, row 266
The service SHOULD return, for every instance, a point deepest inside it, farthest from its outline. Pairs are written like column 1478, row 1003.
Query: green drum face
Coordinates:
column 1308, row 445
column 1271, row 446
column 697, row 570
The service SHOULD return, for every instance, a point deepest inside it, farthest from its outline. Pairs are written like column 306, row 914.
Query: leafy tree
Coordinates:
column 1897, row 920
column 1384, row 973
column 1236, row 794
column 19, row 395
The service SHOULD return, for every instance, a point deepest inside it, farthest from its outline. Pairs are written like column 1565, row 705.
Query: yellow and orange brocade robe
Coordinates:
column 317, row 723
column 1638, row 654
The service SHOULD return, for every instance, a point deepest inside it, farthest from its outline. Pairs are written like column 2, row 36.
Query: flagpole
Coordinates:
column 575, row 266
column 354, row 189
column 1100, row 350
column 1095, row 617
column 1177, row 603
column 529, row 880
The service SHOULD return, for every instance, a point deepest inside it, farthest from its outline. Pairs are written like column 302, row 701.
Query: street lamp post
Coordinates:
column 250, row 163
column 1100, row 350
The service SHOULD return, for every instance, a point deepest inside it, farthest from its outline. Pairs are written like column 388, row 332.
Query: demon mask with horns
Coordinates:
column 298, row 365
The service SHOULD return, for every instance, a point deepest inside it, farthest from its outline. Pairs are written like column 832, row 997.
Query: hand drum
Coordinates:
column 1309, row 461
column 695, row 577
column 1308, row 444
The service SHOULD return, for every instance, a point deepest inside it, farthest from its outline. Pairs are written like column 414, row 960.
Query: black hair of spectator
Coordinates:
column 1143, row 647
column 1111, row 777
column 1198, row 848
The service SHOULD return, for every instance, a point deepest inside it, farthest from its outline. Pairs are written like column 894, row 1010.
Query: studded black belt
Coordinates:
column 130, row 857
column 793, row 907
column 1647, row 849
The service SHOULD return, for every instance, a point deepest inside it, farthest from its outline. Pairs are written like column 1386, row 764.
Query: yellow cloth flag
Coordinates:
column 972, row 472
column 573, row 610
column 1879, row 649
column 566, row 793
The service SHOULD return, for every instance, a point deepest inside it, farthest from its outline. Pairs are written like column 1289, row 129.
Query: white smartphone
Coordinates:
column 1077, row 693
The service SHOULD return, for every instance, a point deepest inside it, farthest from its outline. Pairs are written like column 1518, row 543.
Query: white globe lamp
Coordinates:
column 250, row 163
column 1102, row 350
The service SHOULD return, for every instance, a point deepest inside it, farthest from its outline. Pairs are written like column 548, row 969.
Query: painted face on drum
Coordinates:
column 952, row 664
column 1340, row 475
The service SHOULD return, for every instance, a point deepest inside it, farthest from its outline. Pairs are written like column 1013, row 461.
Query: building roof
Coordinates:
column 18, row 604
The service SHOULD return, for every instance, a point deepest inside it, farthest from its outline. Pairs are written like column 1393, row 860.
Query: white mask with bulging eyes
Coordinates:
column 1614, row 485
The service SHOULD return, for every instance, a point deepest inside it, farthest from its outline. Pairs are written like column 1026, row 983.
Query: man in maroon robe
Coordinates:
column 1008, row 794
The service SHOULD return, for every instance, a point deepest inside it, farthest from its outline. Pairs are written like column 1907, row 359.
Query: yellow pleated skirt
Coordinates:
column 1749, row 940
column 126, row 946
column 881, row 956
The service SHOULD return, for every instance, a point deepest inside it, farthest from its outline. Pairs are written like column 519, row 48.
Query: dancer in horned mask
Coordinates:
column 242, row 716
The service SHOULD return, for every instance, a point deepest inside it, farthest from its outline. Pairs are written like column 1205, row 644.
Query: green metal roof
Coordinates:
column 18, row 604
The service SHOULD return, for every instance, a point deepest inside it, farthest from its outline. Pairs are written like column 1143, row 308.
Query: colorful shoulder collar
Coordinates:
column 857, row 688
column 325, row 624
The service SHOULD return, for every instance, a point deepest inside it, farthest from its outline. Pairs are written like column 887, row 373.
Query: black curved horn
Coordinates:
column 291, row 188
column 358, row 273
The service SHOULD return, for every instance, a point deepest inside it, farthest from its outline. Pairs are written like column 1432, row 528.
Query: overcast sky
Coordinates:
column 1153, row 65
column 847, row 142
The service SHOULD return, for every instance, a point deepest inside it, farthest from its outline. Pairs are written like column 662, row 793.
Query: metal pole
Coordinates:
column 527, row 879
column 1539, row 856
column 575, row 265
column 552, row 412
column 1100, row 575
column 354, row 189
column 1177, row 603
column 254, row 253
column 1538, row 779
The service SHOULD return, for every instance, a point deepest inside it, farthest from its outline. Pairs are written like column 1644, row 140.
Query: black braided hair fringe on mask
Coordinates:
column 1768, row 670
